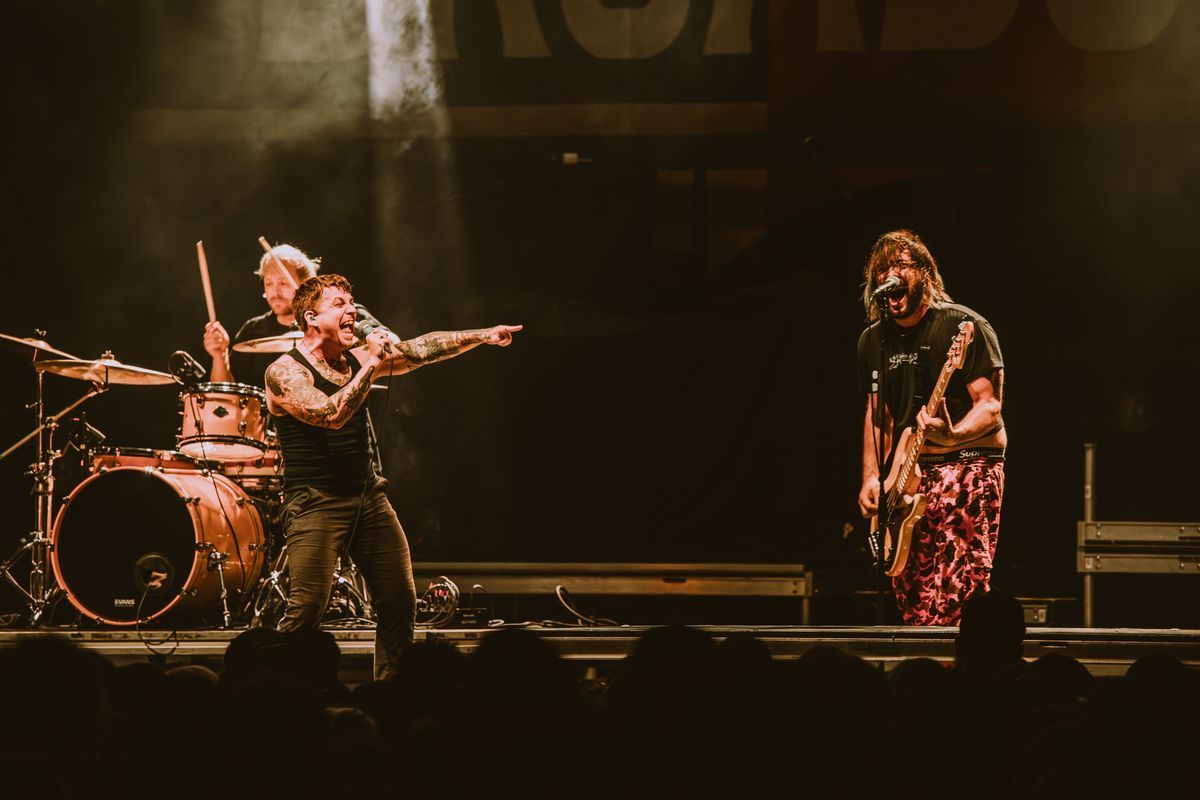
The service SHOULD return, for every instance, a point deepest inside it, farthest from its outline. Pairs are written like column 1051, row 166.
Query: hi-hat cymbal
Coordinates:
column 104, row 370
column 270, row 344
column 26, row 344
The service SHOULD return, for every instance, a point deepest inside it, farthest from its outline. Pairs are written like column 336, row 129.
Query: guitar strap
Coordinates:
column 916, row 343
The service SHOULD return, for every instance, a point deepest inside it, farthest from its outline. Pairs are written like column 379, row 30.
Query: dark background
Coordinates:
column 684, row 388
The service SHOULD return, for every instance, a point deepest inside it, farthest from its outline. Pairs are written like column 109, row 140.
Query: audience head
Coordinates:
column 991, row 634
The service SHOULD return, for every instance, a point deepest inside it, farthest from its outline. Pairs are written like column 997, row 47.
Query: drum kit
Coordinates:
column 151, row 536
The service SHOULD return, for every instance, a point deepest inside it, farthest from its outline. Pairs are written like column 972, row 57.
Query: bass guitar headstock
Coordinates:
column 958, row 347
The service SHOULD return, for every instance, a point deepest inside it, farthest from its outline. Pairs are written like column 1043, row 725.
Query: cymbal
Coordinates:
column 270, row 344
column 104, row 370
column 38, row 345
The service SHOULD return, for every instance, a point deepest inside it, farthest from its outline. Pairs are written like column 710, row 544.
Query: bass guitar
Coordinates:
column 903, row 506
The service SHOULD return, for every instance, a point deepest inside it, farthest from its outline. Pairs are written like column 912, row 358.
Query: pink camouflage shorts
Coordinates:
column 954, row 543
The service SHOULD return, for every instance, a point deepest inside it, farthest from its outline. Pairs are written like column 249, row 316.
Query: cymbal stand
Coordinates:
column 216, row 561
column 43, row 590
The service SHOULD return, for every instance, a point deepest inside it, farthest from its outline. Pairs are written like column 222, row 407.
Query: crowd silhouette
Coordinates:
column 683, row 714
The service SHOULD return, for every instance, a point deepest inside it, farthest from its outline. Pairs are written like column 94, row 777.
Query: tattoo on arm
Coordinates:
column 292, row 387
column 440, row 345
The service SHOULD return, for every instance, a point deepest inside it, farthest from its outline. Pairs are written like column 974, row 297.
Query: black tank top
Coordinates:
column 336, row 461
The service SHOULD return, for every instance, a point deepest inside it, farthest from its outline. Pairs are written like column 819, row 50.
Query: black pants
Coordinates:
column 317, row 525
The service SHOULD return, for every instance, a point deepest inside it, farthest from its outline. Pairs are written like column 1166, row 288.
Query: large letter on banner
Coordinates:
column 625, row 33
column 916, row 24
column 1110, row 24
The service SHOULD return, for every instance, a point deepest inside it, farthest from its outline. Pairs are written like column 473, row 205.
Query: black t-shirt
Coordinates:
column 251, row 368
column 916, row 356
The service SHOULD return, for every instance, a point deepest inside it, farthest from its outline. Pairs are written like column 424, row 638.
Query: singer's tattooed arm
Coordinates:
column 440, row 345
column 430, row 348
column 290, row 387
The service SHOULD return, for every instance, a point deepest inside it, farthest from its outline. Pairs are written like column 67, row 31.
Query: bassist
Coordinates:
column 962, row 460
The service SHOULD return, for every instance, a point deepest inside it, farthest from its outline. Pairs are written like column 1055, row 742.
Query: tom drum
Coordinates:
column 223, row 422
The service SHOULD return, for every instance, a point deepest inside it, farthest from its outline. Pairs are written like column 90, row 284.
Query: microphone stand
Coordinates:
column 883, row 512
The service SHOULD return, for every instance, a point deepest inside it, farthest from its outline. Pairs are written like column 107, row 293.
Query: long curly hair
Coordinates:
column 887, row 253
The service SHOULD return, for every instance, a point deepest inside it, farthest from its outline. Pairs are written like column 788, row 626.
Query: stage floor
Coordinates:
column 1104, row 651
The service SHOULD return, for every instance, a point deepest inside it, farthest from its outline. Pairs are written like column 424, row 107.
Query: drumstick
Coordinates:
column 208, row 300
column 263, row 241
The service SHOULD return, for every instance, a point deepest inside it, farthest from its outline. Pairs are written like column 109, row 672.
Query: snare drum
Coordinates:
column 106, row 458
column 134, row 543
column 223, row 422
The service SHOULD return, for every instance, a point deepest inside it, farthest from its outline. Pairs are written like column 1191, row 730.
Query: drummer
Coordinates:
column 232, row 367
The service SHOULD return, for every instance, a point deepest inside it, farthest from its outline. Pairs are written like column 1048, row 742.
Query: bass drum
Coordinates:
column 132, row 544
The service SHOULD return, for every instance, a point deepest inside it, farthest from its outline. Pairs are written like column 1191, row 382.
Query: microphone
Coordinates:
column 91, row 433
column 153, row 572
column 363, row 329
column 86, row 435
column 184, row 367
column 887, row 287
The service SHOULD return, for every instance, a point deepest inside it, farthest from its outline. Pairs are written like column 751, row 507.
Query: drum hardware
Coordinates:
column 50, row 423
column 270, row 598
column 85, row 437
column 162, row 461
column 216, row 563
column 356, row 600
column 42, row 591
column 348, row 597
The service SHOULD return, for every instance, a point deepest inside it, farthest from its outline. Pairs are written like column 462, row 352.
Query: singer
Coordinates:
column 962, row 463
column 334, row 497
